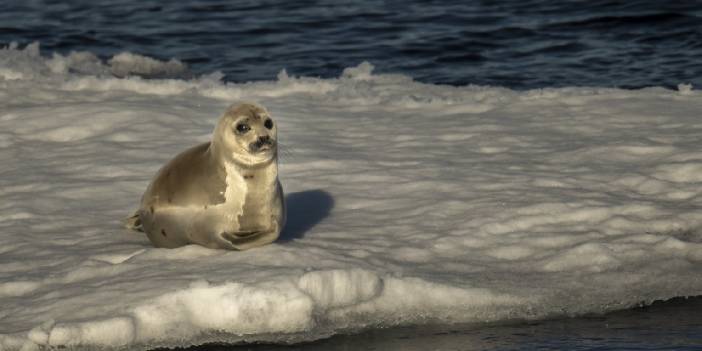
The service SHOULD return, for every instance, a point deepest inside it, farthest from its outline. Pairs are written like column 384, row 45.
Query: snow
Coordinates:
column 408, row 204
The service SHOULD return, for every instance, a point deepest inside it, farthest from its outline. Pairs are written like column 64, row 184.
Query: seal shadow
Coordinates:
column 304, row 210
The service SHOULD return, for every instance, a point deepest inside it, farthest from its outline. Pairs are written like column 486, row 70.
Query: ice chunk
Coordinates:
column 339, row 288
column 440, row 204
column 127, row 63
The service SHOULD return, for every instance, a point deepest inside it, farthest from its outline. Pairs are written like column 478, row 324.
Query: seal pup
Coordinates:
column 222, row 194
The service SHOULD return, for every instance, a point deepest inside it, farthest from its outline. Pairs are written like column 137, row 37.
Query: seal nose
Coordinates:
column 263, row 142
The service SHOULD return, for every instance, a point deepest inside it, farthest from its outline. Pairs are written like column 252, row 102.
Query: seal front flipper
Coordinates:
column 246, row 239
column 241, row 238
column 246, row 233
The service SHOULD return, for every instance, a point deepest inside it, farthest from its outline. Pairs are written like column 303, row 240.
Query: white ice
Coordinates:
column 409, row 203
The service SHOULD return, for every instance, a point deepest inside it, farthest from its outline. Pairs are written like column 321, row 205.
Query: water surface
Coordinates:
column 515, row 43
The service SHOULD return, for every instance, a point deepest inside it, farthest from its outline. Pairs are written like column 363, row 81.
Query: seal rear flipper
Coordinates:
column 134, row 222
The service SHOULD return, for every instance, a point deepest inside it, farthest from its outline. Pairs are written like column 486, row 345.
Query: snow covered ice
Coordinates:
column 408, row 204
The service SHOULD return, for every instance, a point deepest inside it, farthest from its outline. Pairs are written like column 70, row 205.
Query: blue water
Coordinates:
column 520, row 44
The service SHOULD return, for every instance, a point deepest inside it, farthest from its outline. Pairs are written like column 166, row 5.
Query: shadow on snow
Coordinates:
column 304, row 210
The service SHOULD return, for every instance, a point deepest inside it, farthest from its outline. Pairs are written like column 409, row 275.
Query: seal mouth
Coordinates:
column 263, row 144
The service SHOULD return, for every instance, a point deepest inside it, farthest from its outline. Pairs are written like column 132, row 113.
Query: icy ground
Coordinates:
column 408, row 203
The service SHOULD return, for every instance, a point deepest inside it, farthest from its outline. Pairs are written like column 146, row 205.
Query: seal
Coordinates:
column 222, row 194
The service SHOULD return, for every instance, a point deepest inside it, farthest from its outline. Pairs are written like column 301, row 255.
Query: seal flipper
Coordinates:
column 134, row 222
column 241, row 238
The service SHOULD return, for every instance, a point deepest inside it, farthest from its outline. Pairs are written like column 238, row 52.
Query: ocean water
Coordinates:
column 511, row 218
column 519, row 44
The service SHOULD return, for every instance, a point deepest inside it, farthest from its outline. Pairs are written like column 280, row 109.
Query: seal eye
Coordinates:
column 268, row 124
column 242, row 128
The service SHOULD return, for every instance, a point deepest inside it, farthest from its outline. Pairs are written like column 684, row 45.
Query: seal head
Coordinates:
column 246, row 135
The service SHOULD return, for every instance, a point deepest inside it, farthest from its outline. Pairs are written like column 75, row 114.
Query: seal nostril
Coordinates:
column 264, row 139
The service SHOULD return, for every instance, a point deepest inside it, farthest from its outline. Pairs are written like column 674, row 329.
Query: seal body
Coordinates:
column 221, row 194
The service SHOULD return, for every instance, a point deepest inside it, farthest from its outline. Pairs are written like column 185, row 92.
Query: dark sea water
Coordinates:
column 520, row 44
